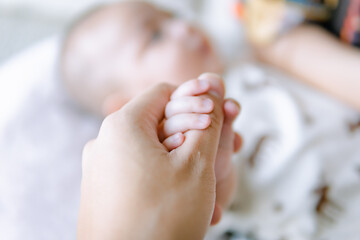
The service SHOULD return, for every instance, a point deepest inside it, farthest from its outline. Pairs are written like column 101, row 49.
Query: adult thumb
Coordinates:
column 204, row 143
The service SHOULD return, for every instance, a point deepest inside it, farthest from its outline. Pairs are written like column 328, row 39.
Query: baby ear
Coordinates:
column 113, row 102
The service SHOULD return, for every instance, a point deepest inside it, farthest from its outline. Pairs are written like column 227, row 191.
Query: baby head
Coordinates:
column 118, row 50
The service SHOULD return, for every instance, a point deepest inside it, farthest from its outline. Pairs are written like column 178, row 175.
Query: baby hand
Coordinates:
column 189, row 111
column 186, row 111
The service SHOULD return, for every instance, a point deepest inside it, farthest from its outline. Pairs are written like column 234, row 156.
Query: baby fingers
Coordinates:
column 174, row 141
column 183, row 123
column 191, row 88
column 189, row 105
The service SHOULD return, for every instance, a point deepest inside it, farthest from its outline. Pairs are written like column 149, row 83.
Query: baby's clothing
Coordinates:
column 345, row 21
column 297, row 144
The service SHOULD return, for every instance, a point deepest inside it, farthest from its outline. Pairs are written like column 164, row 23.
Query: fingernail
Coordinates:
column 208, row 103
column 204, row 84
column 177, row 136
column 215, row 93
column 205, row 76
column 204, row 119
column 233, row 105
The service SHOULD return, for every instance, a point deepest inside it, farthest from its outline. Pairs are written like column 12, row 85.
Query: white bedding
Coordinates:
column 308, row 142
column 40, row 148
column 311, row 143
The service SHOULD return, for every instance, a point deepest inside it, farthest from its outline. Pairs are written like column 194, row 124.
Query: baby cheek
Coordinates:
column 189, row 66
column 175, row 65
column 175, row 70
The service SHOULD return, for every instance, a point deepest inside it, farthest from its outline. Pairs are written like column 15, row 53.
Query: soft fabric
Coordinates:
column 301, row 148
column 41, row 142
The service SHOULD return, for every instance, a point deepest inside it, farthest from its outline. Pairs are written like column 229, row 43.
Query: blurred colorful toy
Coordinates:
column 267, row 19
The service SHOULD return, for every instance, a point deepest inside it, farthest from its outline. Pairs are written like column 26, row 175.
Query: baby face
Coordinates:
column 142, row 45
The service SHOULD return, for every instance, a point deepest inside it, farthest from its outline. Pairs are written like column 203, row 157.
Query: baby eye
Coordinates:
column 156, row 36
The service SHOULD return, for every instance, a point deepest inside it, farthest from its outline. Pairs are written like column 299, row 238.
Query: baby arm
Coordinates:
column 319, row 59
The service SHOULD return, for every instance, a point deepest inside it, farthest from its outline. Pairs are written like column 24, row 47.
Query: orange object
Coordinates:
column 239, row 10
column 350, row 27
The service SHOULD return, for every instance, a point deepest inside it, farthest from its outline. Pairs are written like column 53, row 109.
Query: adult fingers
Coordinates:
column 226, row 145
column 225, row 189
column 217, row 214
column 238, row 142
column 144, row 112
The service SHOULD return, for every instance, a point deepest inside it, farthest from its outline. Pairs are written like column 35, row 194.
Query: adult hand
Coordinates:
column 133, row 188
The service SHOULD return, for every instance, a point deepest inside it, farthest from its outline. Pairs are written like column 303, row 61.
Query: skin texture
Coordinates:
column 182, row 113
column 319, row 59
column 122, row 49
column 120, row 192
column 185, row 111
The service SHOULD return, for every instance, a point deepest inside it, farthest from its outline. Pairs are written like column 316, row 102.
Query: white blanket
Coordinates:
column 298, row 144
column 40, row 149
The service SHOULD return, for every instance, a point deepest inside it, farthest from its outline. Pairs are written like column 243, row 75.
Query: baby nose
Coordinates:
column 186, row 34
column 181, row 29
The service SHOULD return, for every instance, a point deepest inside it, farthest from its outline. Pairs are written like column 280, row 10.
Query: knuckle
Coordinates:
column 107, row 123
column 113, row 122
column 87, row 150
column 124, row 116
column 89, row 145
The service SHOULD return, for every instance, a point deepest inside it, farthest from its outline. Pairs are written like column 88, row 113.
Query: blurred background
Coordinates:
column 24, row 22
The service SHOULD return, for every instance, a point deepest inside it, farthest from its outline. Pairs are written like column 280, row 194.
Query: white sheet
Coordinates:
column 24, row 72
column 40, row 148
